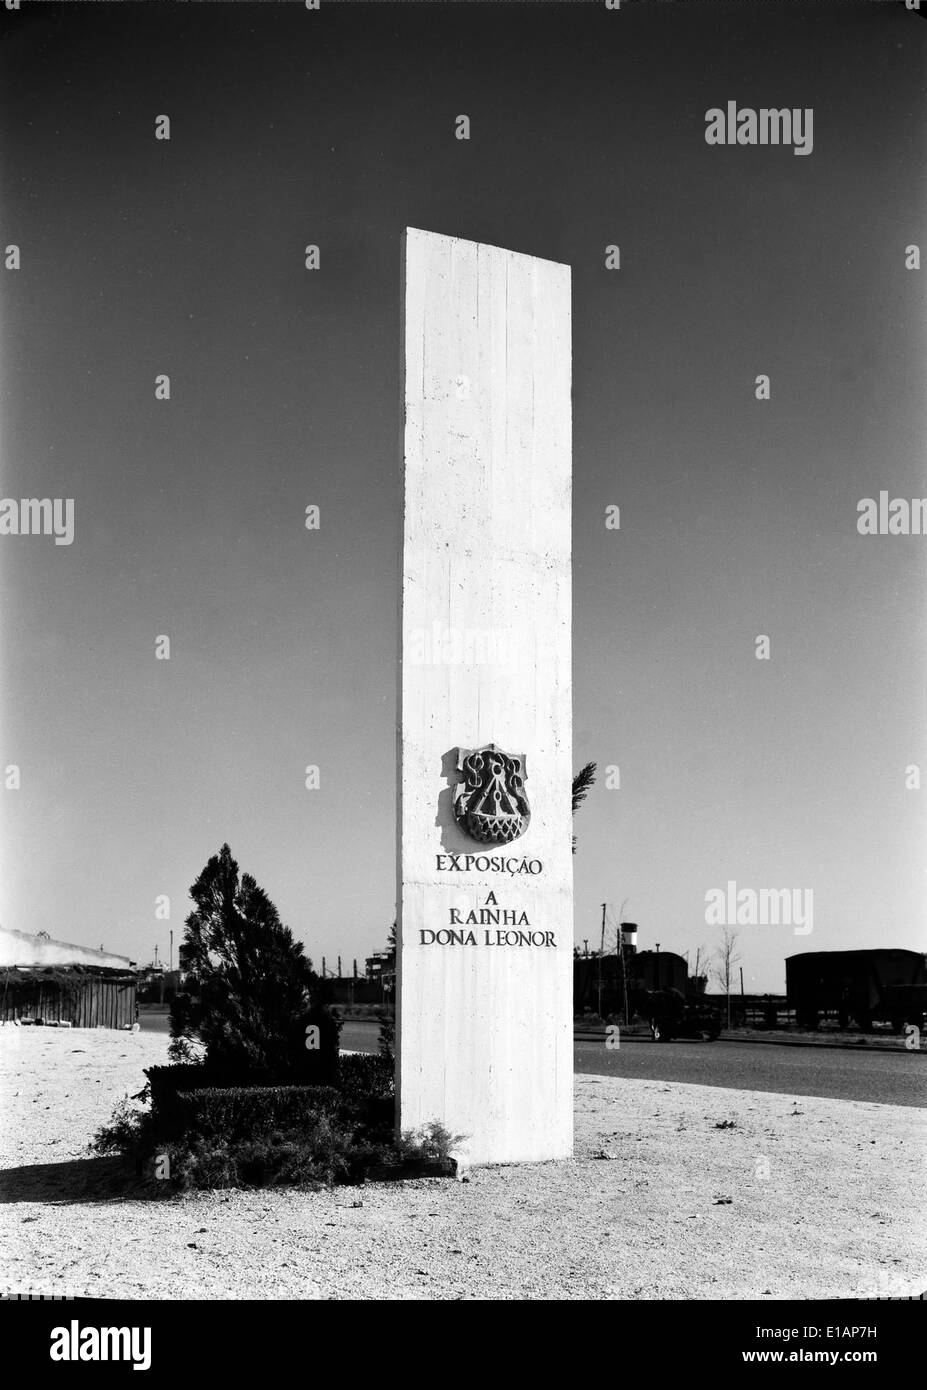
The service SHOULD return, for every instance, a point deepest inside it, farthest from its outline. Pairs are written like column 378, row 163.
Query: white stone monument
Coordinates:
column 485, row 911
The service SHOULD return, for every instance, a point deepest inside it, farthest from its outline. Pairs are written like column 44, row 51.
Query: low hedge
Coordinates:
column 363, row 1083
column 223, row 1130
column 241, row 1113
column 214, row 1136
column 166, row 1086
column 365, row 1072
column 318, row 1154
column 269, row 1136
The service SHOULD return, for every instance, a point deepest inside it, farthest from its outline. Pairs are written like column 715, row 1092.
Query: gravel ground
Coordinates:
column 801, row 1198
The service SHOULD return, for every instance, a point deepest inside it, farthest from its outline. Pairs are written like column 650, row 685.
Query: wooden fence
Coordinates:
column 85, row 1000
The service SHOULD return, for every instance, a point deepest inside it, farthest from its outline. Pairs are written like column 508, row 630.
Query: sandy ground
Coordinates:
column 800, row 1199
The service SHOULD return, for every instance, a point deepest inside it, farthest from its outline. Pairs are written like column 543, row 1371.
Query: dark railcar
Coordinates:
column 857, row 986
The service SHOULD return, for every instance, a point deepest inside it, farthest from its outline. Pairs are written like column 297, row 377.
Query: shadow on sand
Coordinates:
column 81, row 1180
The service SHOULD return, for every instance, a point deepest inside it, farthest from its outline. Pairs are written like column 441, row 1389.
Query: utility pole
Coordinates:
column 624, row 974
column 170, row 952
column 623, row 959
column 601, row 954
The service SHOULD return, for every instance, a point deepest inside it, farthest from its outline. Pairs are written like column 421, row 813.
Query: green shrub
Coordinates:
column 258, row 1135
column 164, row 1083
column 124, row 1133
column 252, row 1112
column 365, row 1076
column 386, row 1042
column 432, row 1143
column 250, row 994
column 320, row 1153
column 255, row 1135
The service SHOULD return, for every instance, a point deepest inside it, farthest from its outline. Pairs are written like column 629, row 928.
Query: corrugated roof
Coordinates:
column 18, row 948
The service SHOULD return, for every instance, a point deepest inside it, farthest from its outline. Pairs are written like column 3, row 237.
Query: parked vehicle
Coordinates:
column 671, row 1016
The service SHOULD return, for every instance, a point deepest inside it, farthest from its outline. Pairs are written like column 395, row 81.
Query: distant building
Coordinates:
column 158, row 985
column 380, row 963
column 51, row 982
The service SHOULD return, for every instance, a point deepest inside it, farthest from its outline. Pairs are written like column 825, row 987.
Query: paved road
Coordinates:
column 153, row 1023
column 890, row 1077
column 895, row 1077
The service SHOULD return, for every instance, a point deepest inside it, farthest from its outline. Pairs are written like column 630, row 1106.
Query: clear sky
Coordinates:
column 738, row 516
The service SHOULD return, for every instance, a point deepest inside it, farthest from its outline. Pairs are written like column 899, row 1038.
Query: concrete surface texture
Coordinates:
column 485, row 1015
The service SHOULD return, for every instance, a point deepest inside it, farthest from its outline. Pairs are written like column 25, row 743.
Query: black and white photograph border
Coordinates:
column 412, row 411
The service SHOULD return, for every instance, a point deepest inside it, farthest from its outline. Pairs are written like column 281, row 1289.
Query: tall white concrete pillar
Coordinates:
column 484, row 1034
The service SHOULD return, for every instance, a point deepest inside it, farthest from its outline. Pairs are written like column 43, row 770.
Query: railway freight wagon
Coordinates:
column 887, row 985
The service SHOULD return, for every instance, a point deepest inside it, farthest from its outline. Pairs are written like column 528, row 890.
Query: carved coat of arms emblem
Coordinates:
column 490, row 803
